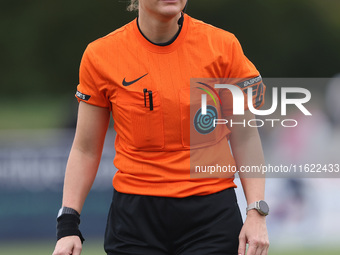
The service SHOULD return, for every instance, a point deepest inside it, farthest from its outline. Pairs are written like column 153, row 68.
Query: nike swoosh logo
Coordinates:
column 128, row 83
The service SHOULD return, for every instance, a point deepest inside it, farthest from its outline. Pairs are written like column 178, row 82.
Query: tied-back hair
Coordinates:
column 133, row 6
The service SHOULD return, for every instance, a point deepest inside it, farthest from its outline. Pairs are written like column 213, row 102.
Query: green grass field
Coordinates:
column 96, row 248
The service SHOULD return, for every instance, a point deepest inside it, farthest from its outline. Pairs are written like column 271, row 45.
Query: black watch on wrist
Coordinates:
column 67, row 210
column 260, row 206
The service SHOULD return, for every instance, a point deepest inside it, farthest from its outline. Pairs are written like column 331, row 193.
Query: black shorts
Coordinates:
column 195, row 225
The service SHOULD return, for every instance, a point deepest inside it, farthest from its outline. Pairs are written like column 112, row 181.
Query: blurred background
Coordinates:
column 41, row 46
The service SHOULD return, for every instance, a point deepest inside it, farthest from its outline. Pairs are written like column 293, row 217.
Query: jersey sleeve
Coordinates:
column 91, row 88
column 241, row 73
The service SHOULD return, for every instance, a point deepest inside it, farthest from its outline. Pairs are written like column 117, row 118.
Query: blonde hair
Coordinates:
column 133, row 6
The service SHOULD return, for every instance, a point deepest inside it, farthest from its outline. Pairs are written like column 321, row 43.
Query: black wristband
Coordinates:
column 68, row 225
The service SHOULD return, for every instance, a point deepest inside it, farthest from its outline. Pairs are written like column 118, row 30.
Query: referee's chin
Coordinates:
column 164, row 10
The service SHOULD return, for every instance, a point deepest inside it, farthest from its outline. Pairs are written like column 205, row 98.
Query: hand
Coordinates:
column 69, row 245
column 254, row 233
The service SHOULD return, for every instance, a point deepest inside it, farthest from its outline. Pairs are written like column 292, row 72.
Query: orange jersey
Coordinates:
column 153, row 148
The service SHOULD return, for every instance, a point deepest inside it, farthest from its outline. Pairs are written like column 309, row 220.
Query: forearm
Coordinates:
column 85, row 154
column 80, row 174
column 253, row 189
column 254, row 183
column 254, row 230
column 248, row 153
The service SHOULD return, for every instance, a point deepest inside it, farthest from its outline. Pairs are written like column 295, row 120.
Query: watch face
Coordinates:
column 264, row 207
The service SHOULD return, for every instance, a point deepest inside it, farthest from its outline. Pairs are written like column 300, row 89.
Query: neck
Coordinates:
column 158, row 30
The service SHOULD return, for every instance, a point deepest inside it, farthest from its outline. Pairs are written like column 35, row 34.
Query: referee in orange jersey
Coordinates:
column 140, row 74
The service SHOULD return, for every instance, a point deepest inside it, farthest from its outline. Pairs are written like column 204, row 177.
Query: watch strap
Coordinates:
column 251, row 206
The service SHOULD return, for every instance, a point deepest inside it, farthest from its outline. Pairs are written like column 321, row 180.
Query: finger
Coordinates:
column 62, row 251
column 77, row 249
column 259, row 250
column 242, row 245
column 252, row 249
column 265, row 250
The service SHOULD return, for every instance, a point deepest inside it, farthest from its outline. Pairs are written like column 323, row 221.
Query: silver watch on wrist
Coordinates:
column 260, row 206
column 67, row 210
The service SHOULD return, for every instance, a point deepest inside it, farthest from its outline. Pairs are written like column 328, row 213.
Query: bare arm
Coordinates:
column 247, row 150
column 85, row 154
column 82, row 166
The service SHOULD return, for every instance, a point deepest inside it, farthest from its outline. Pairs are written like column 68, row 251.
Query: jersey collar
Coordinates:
column 163, row 48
